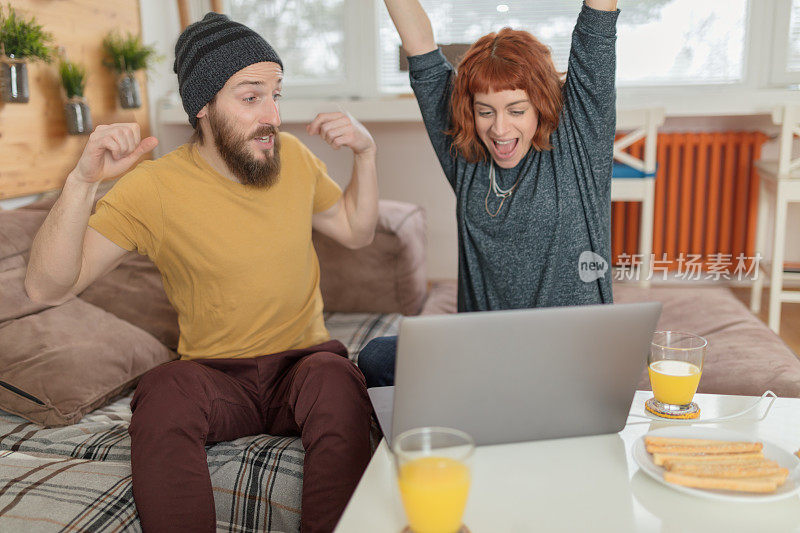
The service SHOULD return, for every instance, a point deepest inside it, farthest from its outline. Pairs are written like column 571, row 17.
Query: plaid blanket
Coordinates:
column 77, row 478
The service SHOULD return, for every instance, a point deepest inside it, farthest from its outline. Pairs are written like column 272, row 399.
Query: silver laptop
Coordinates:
column 509, row 376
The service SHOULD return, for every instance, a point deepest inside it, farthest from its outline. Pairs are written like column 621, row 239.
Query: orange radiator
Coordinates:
column 706, row 201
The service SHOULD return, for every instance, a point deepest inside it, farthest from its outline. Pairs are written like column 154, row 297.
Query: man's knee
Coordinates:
column 333, row 383
column 331, row 368
column 332, row 398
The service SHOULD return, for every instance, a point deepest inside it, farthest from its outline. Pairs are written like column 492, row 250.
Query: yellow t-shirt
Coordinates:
column 237, row 262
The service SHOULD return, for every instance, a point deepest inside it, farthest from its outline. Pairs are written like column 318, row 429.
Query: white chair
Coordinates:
column 779, row 186
column 633, row 179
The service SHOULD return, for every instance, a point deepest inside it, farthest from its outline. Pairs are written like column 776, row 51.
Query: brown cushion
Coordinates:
column 75, row 357
column 388, row 276
column 14, row 301
column 134, row 292
column 17, row 229
column 63, row 362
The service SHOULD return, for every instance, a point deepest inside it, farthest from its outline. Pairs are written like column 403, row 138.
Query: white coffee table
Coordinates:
column 590, row 483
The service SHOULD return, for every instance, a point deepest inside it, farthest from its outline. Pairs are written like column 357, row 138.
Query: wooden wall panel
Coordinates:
column 36, row 153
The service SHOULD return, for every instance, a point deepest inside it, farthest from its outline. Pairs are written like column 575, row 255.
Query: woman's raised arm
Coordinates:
column 602, row 5
column 413, row 25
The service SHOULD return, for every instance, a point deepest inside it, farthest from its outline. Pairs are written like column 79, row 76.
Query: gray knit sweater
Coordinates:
column 550, row 242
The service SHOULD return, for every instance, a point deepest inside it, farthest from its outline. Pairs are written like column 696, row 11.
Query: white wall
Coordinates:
column 160, row 28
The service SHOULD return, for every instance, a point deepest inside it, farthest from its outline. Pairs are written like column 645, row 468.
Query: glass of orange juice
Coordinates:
column 675, row 365
column 433, row 474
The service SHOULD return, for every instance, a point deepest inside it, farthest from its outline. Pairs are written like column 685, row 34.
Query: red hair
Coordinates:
column 506, row 60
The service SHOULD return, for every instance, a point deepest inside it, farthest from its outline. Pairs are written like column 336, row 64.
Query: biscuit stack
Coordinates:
column 716, row 464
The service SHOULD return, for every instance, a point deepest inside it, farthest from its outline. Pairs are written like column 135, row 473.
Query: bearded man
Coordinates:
column 227, row 219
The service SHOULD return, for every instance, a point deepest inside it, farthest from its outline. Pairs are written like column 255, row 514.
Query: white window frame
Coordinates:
column 780, row 75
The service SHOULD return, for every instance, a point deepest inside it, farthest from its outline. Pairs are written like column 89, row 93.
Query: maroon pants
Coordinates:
column 179, row 407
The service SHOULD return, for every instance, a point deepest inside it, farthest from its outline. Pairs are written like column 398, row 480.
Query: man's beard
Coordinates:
column 233, row 148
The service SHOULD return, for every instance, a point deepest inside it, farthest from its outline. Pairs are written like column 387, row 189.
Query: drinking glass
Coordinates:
column 675, row 365
column 433, row 474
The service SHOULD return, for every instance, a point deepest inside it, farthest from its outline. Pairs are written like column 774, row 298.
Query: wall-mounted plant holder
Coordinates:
column 73, row 79
column 78, row 115
column 130, row 96
column 21, row 40
column 14, row 80
column 126, row 55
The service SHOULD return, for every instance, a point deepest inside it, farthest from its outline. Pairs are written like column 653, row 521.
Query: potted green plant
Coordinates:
column 73, row 78
column 126, row 55
column 21, row 40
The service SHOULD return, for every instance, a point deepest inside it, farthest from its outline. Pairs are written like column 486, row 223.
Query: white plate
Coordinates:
column 771, row 451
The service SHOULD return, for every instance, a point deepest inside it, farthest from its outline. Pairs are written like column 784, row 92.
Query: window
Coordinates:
column 782, row 45
column 681, row 42
column 660, row 42
column 793, row 45
column 308, row 35
column 464, row 21
column 786, row 43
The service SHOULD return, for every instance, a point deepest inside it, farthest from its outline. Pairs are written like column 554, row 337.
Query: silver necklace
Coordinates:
column 498, row 192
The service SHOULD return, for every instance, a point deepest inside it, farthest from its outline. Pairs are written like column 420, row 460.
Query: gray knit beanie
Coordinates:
column 209, row 52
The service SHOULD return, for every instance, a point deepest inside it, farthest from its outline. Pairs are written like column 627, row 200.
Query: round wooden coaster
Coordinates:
column 464, row 529
column 692, row 412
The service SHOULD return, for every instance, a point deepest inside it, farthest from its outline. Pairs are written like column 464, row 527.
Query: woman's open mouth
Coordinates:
column 504, row 149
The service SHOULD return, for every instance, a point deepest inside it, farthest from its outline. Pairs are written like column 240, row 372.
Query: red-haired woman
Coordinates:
column 529, row 158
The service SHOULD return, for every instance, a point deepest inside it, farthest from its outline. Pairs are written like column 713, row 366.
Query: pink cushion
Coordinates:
column 387, row 276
